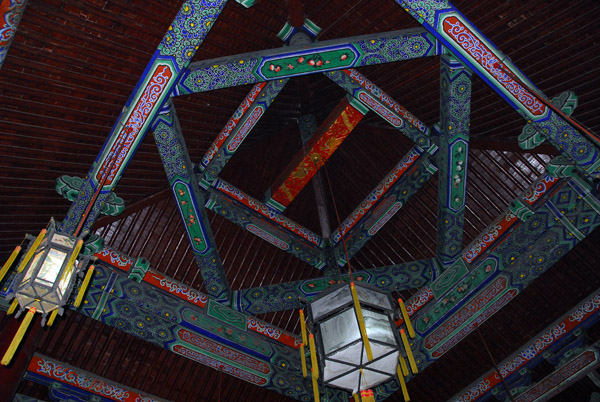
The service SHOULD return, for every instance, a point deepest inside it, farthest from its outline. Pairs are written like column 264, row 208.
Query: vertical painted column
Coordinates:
column 478, row 53
column 178, row 166
column 455, row 110
column 177, row 48
column 11, row 11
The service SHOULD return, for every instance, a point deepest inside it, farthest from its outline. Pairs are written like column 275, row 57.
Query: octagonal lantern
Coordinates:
column 47, row 275
column 348, row 360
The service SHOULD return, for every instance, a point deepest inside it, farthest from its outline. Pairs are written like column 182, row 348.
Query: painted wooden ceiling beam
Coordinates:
column 319, row 57
column 452, row 159
column 177, row 48
column 190, row 201
column 315, row 153
column 458, row 35
column 11, row 12
column 237, row 128
column 415, row 169
column 283, row 234
column 291, row 295
column 66, row 382
column 384, row 105
column 547, row 342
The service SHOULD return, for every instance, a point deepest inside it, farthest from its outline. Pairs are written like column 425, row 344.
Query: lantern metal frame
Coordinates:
column 46, row 282
column 316, row 321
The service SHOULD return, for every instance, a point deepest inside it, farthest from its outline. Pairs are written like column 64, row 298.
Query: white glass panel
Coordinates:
column 32, row 265
column 65, row 241
column 378, row 327
column 386, row 364
column 52, row 265
column 378, row 351
column 350, row 354
column 348, row 382
column 372, row 297
column 335, row 369
column 371, row 379
column 66, row 279
column 330, row 302
column 339, row 331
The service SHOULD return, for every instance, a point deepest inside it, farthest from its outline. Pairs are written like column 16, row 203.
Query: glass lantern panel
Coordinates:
column 62, row 240
column 335, row 369
column 339, row 331
column 66, row 279
column 371, row 379
column 350, row 354
column 31, row 267
column 51, row 266
column 378, row 351
column 373, row 297
column 378, row 327
column 330, row 302
column 386, row 364
column 348, row 382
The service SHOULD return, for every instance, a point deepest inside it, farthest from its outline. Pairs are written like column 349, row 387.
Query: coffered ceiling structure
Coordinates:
column 220, row 155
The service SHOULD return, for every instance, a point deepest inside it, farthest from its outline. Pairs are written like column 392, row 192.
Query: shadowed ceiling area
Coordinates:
column 525, row 210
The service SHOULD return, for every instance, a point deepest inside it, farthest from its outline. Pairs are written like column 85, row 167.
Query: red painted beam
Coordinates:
column 330, row 135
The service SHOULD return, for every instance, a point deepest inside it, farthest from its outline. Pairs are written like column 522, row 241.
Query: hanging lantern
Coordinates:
column 45, row 278
column 357, row 340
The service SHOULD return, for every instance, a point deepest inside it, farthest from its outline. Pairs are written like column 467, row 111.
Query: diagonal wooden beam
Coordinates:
column 293, row 61
column 177, row 48
column 383, row 203
column 455, row 110
column 287, row 296
column 384, row 105
column 73, row 382
column 256, row 218
column 190, row 201
column 459, row 36
column 532, row 353
column 315, row 153
column 11, row 13
column 237, row 128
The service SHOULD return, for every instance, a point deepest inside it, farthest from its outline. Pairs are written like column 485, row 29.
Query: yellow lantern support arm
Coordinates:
column 403, row 385
column 52, row 317
column 315, row 388
column 84, row 286
column 303, row 360
column 361, row 322
column 406, row 318
column 409, row 354
column 31, row 250
column 14, row 345
column 9, row 262
column 303, row 326
column 313, row 356
column 13, row 306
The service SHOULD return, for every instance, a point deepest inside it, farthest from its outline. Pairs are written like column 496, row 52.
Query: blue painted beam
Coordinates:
column 11, row 13
column 237, row 128
column 409, row 175
column 455, row 110
column 190, row 201
column 449, row 26
column 385, row 106
column 177, row 48
column 287, row 296
column 293, row 61
column 271, row 227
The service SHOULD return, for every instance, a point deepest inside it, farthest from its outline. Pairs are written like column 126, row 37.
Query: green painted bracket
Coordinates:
column 70, row 186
